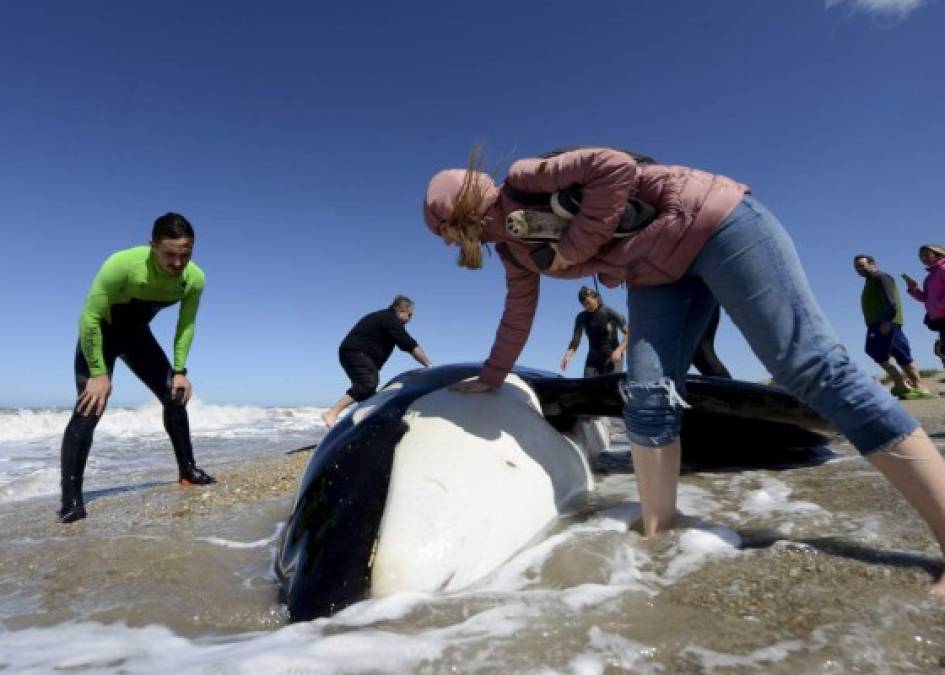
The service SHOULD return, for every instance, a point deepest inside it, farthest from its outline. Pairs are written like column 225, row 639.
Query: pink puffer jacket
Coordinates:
column 690, row 203
column 933, row 290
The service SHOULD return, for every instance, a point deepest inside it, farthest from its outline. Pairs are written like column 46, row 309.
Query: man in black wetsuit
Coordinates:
column 131, row 287
column 366, row 348
column 604, row 353
column 602, row 325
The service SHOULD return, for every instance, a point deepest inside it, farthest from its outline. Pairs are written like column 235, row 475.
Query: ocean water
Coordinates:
column 131, row 443
column 809, row 568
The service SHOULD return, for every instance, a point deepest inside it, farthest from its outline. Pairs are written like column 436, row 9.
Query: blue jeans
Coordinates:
column 750, row 267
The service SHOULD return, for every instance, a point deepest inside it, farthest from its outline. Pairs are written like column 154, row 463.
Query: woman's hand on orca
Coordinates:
column 181, row 383
column 95, row 395
column 471, row 387
column 560, row 263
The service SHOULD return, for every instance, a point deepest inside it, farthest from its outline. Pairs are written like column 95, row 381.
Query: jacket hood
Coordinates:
column 936, row 249
column 442, row 191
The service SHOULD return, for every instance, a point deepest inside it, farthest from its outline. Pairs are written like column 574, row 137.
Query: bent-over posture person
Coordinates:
column 602, row 325
column 366, row 348
column 703, row 238
column 131, row 287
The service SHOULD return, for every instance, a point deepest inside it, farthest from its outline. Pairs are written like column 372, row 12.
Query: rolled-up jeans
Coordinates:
column 750, row 267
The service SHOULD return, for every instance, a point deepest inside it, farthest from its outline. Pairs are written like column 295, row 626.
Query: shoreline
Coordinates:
column 169, row 554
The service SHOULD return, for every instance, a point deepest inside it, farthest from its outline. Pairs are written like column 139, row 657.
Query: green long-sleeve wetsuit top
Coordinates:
column 130, row 289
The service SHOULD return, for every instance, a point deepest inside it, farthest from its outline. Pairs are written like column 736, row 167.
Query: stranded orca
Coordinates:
column 424, row 489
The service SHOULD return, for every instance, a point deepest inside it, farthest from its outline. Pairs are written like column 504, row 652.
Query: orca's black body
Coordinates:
column 326, row 550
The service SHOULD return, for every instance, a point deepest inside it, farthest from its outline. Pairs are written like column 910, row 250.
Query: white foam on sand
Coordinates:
column 611, row 652
column 755, row 660
column 768, row 499
column 695, row 547
column 33, row 484
column 229, row 543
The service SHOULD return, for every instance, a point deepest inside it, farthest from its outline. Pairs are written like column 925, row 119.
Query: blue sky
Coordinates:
column 298, row 139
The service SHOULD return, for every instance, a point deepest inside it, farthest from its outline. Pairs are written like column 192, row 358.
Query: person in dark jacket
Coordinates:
column 885, row 340
column 366, row 348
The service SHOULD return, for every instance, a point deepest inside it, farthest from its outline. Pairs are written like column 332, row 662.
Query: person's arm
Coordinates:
column 521, row 301
column 606, row 177
column 402, row 338
column 889, row 297
column 105, row 291
column 420, row 356
column 912, row 288
column 624, row 328
column 574, row 344
column 184, row 336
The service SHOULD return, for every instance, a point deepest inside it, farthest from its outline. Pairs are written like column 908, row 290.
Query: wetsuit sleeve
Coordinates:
column 521, row 301
column 606, row 177
column 578, row 331
column 107, row 285
column 187, row 322
column 889, row 297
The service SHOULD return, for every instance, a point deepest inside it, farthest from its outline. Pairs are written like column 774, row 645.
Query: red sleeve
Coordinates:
column 521, row 301
column 606, row 177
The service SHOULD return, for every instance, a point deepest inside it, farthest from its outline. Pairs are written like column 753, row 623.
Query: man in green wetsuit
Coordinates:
column 129, row 290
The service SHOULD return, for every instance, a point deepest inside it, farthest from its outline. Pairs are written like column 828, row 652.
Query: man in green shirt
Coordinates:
column 131, row 287
column 885, row 341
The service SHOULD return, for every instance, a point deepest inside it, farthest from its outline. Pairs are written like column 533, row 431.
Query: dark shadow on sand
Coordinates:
column 843, row 548
column 92, row 495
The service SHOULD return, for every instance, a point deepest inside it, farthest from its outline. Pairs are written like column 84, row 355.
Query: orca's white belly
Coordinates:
column 475, row 479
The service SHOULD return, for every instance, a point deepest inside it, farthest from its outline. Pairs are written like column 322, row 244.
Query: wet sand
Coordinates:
column 160, row 536
column 199, row 560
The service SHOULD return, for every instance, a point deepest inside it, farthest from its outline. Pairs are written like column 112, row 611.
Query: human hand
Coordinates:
column 885, row 327
column 471, row 387
column 617, row 356
column 95, row 395
column 560, row 263
column 910, row 282
column 180, row 382
column 564, row 362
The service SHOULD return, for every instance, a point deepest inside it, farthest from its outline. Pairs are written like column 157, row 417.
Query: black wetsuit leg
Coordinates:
column 145, row 358
column 705, row 359
column 362, row 371
column 77, row 439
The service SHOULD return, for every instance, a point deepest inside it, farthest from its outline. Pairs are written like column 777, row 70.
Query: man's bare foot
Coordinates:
column 329, row 418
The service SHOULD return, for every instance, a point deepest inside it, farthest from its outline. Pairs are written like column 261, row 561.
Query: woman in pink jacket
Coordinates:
column 706, row 240
column 932, row 293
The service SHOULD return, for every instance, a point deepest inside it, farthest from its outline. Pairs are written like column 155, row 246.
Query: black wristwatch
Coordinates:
column 182, row 371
